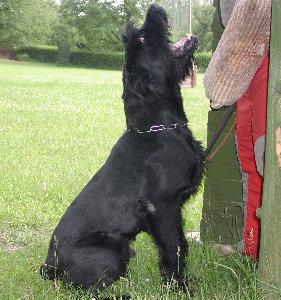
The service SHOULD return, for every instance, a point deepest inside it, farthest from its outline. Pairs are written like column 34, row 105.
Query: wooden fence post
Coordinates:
column 269, row 271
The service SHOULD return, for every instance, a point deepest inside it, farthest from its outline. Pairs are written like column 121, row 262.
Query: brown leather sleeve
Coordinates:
column 241, row 50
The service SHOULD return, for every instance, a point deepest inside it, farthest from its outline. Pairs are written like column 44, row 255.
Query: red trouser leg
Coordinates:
column 250, row 131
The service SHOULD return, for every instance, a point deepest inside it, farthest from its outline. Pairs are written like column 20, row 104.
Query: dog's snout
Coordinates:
column 194, row 41
column 185, row 46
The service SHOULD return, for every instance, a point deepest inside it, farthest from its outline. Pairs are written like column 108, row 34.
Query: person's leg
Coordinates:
column 250, row 130
column 250, row 177
column 250, row 140
column 259, row 93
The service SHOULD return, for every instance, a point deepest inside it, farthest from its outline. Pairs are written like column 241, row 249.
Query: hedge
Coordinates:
column 105, row 60
column 43, row 54
column 202, row 60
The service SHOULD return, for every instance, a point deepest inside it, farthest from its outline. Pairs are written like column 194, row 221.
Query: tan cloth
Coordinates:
column 241, row 50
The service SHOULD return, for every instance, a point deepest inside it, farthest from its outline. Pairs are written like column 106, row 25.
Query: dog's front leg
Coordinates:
column 166, row 229
column 163, row 221
column 162, row 216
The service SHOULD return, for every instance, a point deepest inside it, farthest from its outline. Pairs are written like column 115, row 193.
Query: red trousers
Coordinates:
column 250, row 132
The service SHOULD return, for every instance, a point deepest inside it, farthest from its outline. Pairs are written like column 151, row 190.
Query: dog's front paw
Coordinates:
column 178, row 285
column 183, row 286
column 48, row 272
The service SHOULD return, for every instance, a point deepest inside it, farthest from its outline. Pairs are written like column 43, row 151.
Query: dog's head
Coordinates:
column 151, row 62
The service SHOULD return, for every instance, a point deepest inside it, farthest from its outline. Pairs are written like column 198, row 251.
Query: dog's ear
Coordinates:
column 156, row 20
column 126, row 36
column 132, row 37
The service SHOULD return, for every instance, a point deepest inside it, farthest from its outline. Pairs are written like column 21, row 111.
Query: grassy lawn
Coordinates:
column 57, row 127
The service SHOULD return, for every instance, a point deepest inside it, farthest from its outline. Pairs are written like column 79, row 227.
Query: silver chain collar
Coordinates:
column 156, row 128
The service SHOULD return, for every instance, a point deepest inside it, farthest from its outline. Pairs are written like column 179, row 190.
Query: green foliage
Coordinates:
column 217, row 27
column 179, row 14
column 65, row 29
column 42, row 54
column 202, row 60
column 202, row 21
column 23, row 57
column 201, row 17
column 25, row 22
column 107, row 60
column 93, row 25
column 100, row 24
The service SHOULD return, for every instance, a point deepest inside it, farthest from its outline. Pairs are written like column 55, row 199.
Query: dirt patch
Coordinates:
column 14, row 239
column 7, row 245
column 7, row 53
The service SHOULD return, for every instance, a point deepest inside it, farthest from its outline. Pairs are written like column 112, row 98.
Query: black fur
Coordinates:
column 146, row 179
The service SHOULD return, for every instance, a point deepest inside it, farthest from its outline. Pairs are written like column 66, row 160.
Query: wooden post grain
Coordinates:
column 269, row 270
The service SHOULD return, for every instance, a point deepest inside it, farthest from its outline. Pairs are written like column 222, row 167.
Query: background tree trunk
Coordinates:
column 217, row 27
column 269, row 271
column 63, row 53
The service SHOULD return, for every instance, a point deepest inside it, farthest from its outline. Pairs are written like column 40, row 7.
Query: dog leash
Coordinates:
column 219, row 131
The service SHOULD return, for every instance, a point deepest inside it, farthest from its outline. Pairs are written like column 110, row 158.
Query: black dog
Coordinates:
column 153, row 168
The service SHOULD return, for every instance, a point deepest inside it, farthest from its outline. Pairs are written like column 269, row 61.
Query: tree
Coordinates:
column 202, row 22
column 99, row 23
column 103, row 22
column 201, row 15
column 65, row 30
column 269, row 271
column 217, row 27
column 178, row 12
column 25, row 22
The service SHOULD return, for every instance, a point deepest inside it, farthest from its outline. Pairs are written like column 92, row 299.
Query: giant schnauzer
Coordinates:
column 154, row 167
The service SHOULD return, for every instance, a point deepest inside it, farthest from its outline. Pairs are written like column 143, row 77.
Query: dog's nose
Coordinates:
column 190, row 41
column 193, row 40
column 156, row 19
column 157, row 9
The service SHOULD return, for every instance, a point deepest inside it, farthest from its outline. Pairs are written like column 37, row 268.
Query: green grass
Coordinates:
column 57, row 127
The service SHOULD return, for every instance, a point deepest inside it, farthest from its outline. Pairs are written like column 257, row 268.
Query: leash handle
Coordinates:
column 225, row 140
